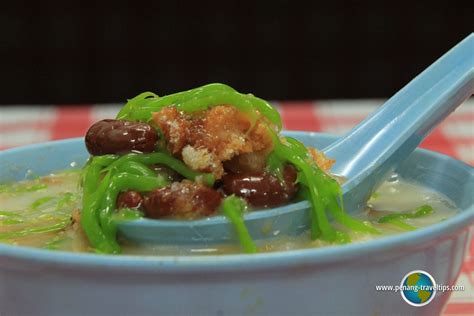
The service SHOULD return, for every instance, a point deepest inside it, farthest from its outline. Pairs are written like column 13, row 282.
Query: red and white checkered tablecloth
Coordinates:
column 21, row 125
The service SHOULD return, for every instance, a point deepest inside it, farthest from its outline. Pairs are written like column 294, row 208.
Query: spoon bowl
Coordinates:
column 290, row 219
column 365, row 156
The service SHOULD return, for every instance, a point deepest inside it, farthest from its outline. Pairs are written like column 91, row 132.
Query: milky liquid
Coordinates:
column 395, row 195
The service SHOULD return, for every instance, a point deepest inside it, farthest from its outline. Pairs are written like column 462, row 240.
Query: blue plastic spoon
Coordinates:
column 364, row 156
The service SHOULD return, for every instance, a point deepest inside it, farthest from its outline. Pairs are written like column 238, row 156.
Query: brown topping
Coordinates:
column 204, row 140
column 175, row 128
column 321, row 160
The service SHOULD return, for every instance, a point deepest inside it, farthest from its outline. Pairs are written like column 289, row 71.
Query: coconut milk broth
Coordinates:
column 24, row 206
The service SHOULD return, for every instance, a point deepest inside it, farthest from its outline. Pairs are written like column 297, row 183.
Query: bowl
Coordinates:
column 332, row 280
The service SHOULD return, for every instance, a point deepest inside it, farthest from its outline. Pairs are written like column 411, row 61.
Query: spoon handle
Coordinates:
column 384, row 139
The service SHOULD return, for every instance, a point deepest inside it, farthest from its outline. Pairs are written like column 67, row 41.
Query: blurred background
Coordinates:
column 73, row 52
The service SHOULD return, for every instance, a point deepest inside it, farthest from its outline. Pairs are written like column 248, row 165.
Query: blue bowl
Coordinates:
column 332, row 280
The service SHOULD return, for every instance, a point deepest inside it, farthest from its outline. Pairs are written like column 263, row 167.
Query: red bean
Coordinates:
column 262, row 189
column 120, row 137
column 182, row 199
column 129, row 199
column 159, row 203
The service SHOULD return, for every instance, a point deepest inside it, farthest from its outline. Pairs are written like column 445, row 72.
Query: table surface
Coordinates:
column 21, row 125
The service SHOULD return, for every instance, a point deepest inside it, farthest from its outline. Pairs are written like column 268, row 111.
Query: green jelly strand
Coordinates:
column 345, row 219
column 180, row 97
column 92, row 170
column 142, row 106
column 41, row 201
column 141, row 109
column 397, row 218
column 331, row 192
column 321, row 228
column 246, row 103
column 120, row 182
column 401, row 224
column 92, row 194
column 99, row 196
column 137, row 168
column 275, row 165
column 21, row 188
column 9, row 214
column 222, row 97
column 104, row 160
column 141, row 100
column 233, row 208
column 35, row 230
column 267, row 110
column 167, row 160
column 319, row 218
